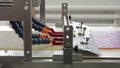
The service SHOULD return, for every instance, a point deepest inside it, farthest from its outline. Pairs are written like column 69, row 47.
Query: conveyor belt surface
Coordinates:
column 104, row 40
column 107, row 39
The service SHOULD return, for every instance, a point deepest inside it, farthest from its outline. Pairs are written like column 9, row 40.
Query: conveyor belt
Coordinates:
column 107, row 39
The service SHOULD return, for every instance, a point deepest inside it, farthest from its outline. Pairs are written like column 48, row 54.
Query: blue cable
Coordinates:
column 37, row 22
column 37, row 28
column 35, row 39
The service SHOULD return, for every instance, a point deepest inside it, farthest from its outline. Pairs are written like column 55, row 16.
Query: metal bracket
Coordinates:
column 64, row 10
column 20, row 11
column 64, row 13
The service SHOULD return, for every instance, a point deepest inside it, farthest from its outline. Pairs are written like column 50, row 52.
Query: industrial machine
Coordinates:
column 79, row 48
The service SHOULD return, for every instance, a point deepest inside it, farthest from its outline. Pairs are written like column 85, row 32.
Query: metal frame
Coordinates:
column 68, row 39
column 25, row 15
column 20, row 11
column 60, row 65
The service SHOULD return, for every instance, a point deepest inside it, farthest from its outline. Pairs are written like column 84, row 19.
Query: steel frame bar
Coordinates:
column 17, row 12
column 42, row 11
column 68, row 39
column 60, row 65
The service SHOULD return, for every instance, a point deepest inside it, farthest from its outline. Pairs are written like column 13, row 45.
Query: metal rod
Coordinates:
column 42, row 11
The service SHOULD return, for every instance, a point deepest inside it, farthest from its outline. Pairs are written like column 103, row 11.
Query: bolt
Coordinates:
column 79, row 34
column 70, row 17
column 84, row 29
column 76, row 48
column 81, row 24
column 87, row 39
column 74, row 36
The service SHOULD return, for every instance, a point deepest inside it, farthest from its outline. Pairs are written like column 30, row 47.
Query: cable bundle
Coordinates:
column 17, row 26
column 39, row 38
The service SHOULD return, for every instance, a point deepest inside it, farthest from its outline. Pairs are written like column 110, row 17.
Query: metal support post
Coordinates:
column 68, row 39
column 68, row 48
column 42, row 11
